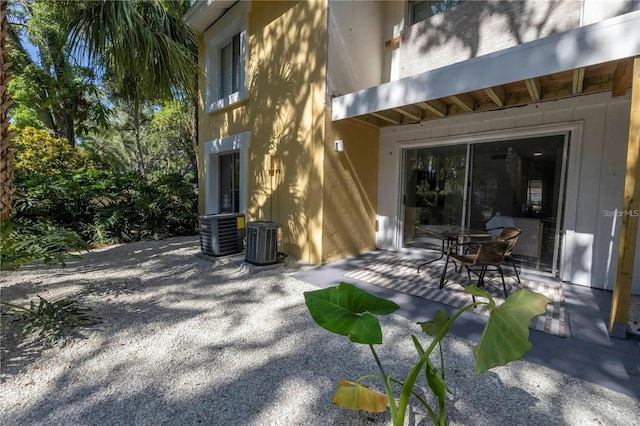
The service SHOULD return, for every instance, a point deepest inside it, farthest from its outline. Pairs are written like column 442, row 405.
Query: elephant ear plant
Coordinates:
column 349, row 311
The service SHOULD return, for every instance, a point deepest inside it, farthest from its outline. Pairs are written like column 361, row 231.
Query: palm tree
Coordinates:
column 146, row 49
column 6, row 157
column 144, row 42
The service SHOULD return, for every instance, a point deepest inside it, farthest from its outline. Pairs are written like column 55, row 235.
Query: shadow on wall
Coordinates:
column 465, row 24
column 350, row 191
column 286, row 76
column 482, row 27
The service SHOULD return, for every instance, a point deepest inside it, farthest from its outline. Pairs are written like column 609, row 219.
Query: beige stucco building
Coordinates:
column 444, row 112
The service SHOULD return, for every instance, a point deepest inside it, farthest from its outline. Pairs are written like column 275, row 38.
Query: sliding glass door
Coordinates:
column 519, row 183
column 434, row 187
column 516, row 182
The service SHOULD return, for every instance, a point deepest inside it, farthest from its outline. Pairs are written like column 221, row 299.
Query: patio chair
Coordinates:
column 508, row 234
column 490, row 253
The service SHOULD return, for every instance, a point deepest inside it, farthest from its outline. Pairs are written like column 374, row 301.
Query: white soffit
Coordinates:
column 608, row 40
column 204, row 13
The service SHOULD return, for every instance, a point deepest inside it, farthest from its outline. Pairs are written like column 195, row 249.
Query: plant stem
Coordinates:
column 387, row 385
column 443, row 402
column 407, row 389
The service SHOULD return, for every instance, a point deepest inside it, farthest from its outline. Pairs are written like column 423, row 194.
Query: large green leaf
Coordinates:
column 506, row 336
column 347, row 310
column 434, row 326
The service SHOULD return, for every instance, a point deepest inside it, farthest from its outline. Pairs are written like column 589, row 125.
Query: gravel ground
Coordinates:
column 184, row 341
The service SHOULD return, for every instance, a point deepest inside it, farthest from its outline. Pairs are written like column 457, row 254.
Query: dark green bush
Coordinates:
column 36, row 240
column 106, row 207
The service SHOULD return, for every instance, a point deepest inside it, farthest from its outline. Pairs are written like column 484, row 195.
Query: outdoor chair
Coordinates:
column 508, row 234
column 489, row 254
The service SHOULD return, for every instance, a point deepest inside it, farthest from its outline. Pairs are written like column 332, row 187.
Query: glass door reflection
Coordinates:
column 434, row 185
column 519, row 183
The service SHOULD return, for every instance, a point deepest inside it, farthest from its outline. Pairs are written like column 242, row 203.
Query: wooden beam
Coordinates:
column 533, row 86
column 463, row 101
column 384, row 117
column 622, row 77
column 577, row 85
column 365, row 122
column 407, row 114
column 437, row 108
column 392, row 44
column 496, row 94
column 629, row 219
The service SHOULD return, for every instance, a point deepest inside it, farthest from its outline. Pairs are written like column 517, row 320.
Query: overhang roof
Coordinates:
column 589, row 59
column 204, row 13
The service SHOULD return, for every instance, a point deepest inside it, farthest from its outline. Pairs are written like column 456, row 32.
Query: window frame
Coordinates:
column 218, row 36
column 212, row 151
column 412, row 3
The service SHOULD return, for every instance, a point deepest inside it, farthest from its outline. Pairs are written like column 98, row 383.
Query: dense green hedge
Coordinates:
column 106, row 207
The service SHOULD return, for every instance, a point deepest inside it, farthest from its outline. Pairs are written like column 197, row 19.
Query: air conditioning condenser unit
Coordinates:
column 222, row 234
column 262, row 243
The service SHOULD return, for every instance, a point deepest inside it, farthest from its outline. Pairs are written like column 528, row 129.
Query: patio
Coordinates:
column 586, row 352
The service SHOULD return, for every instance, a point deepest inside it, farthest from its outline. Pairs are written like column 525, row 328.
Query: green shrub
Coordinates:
column 28, row 241
column 105, row 207
column 52, row 322
column 36, row 151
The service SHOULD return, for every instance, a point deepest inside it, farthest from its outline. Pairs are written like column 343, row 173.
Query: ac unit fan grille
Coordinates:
column 262, row 243
column 219, row 234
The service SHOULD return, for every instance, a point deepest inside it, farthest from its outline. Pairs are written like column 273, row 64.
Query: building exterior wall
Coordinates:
column 323, row 200
column 350, row 189
column 598, row 10
column 596, row 168
column 356, row 45
column 476, row 28
column 284, row 113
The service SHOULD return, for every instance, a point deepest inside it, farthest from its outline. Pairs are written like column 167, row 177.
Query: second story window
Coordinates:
column 226, row 59
column 230, row 67
column 421, row 10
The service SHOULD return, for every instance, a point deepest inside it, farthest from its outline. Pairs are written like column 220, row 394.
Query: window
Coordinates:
column 421, row 10
column 230, row 67
column 229, row 182
column 225, row 62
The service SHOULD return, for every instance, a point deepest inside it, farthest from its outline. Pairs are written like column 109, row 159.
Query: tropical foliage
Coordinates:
column 51, row 86
column 349, row 311
column 103, row 207
column 36, row 241
column 54, row 323
column 37, row 152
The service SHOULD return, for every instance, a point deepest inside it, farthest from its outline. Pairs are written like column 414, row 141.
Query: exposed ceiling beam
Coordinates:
column 392, row 44
column 496, row 94
column 578, row 81
column 407, row 114
column 365, row 122
column 464, row 101
column 437, row 108
column 541, row 57
column 622, row 77
column 384, row 117
column 533, row 86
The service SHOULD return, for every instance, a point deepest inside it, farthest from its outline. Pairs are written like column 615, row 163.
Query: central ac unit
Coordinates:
column 221, row 234
column 262, row 243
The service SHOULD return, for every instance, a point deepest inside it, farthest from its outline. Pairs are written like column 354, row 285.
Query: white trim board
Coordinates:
column 212, row 149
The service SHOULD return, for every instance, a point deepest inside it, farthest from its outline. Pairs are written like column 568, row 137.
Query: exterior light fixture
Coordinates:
column 338, row 145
